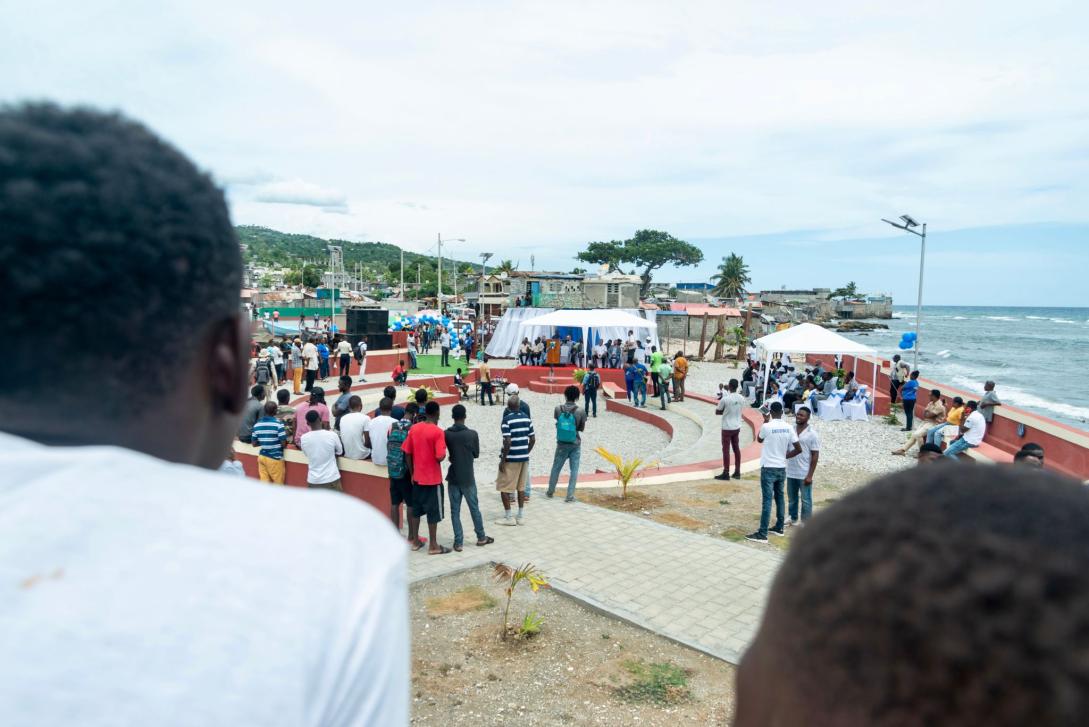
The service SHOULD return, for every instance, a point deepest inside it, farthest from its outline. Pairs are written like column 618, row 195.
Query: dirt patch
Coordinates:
column 636, row 501
column 584, row 668
column 470, row 598
column 679, row 520
column 728, row 510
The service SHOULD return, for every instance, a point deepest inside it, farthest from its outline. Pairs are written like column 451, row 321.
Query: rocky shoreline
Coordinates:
column 853, row 326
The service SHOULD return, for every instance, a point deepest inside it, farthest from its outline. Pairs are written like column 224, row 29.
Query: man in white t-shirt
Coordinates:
column 800, row 468
column 378, row 429
column 972, row 430
column 321, row 447
column 353, row 430
column 344, row 352
column 780, row 444
column 730, row 406
column 138, row 586
column 444, row 345
column 310, row 362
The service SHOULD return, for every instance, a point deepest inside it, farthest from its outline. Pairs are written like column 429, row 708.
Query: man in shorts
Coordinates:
column 425, row 449
column 518, row 441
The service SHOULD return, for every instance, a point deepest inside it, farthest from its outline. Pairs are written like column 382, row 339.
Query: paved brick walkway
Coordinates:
column 701, row 591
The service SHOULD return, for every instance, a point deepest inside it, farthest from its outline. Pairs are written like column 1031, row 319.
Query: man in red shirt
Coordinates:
column 424, row 449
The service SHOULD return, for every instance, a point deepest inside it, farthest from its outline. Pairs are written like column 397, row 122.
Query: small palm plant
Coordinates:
column 626, row 469
column 510, row 578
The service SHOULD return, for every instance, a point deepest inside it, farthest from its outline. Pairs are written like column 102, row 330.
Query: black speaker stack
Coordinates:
column 371, row 324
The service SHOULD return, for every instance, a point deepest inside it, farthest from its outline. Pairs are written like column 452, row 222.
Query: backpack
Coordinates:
column 262, row 374
column 566, row 427
column 591, row 380
column 395, row 457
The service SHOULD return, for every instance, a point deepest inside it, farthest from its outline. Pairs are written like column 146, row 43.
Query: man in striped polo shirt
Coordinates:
column 518, row 441
column 270, row 435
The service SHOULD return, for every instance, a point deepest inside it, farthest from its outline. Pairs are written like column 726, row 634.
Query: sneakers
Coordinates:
column 777, row 531
column 723, row 476
column 506, row 521
column 790, row 523
column 569, row 499
column 520, row 520
column 757, row 537
column 549, row 494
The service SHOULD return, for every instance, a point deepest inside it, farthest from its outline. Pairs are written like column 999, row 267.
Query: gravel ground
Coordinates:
column 567, row 675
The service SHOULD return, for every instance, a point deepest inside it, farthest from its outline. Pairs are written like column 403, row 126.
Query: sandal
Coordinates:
column 443, row 550
column 417, row 545
column 488, row 540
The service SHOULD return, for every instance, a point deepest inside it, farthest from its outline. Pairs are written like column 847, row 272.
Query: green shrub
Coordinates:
column 661, row 683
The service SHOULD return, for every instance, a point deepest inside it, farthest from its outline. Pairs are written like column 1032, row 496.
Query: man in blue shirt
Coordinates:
column 323, row 360
column 270, row 435
column 908, row 392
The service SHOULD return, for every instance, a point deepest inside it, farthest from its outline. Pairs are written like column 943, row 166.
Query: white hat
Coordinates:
column 512, row 389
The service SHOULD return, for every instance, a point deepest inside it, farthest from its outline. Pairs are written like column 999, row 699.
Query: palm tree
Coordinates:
column 731, row 278
column 505, row 266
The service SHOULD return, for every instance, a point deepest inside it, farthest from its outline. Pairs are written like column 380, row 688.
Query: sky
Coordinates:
column 783, row 132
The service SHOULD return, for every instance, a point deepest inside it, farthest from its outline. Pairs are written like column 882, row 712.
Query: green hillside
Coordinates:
column 272, row 247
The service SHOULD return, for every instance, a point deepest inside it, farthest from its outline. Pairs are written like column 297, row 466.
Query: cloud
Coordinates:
column 297, row 191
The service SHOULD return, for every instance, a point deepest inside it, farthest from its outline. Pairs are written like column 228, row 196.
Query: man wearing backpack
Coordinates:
column 591, row 382
column 400, row 484
column 263, row 372
column 570, row 420
column 361, row 357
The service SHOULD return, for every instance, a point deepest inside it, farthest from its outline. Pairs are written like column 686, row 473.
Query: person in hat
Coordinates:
column 296, row 366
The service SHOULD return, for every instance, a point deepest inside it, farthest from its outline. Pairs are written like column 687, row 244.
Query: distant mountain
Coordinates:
column 272, row 247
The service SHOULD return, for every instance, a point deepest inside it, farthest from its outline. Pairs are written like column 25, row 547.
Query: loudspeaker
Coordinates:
column 366, row 321
column 375, row 341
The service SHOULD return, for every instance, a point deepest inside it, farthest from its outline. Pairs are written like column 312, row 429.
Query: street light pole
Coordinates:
column 439, row 292
column 908, row 226
column 484, row 257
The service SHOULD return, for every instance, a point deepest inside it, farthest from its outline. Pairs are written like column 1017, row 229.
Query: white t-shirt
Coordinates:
column 975, row 426
column 730, row 406
column 778, row 438
column 640, row 355
column 344, row 348
column 310, row 356
column 379, row 429
column 321, row 448
column 137, row 591
column 445, row 340
column 352, row 426
column 276, row 354
column 362, row 348
column 798, row 465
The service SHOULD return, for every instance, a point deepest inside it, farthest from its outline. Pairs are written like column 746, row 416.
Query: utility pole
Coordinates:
column 402, row 275
column 417, row 281
column 908, row 224
column 439, row 288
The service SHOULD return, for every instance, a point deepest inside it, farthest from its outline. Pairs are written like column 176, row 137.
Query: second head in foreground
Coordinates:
column 939, row 595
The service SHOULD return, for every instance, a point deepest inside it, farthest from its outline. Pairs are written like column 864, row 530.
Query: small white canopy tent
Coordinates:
column 810, row 338
column 595, row 319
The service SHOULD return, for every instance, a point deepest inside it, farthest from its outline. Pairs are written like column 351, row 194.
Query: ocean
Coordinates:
column 1036, row 356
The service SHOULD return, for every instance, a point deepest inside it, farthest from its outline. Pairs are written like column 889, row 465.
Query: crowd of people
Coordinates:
column 304, row 362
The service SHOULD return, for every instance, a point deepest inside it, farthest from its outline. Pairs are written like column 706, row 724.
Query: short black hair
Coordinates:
column 270, row 408
column 386, row 404
column 411, row 409
column 432, row 409
column 390, row 393
column 283, row 396
column 458, row 412
column 923, row 597
column 106, row 227
column 571, row 393
column 355, row 403
column 420, row 396
column 936, row 393
column 313, row 417
column 776, row 407
column 258, row 391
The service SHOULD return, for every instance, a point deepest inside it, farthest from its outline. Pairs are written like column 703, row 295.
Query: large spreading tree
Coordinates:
column 731, row 278
column 646, row 251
